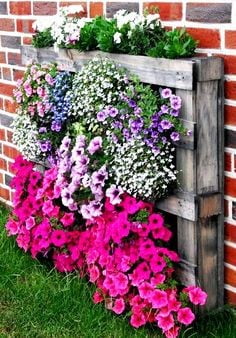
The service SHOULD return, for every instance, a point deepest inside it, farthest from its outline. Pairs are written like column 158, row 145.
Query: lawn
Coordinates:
column 36, row 301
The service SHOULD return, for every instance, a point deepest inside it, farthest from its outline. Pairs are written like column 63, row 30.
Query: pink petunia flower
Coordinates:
column 119, row 306
column 137, row 320
column 158, row 299
column 197, row 296
column 58, row 238
column 165, row 323
column 68, row 219
column 185, row 316
column 12, row 227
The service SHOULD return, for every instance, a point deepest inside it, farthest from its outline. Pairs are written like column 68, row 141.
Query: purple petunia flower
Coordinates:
column 114, row 193
column 174, row 136
column 117, row 125
column 101, row 116
column 164, row 109
column 174, row 112
column 165, row 93
column 95, row 145
column 113, row 111
column 165, row 124
column 175, row 102
column 132, row 104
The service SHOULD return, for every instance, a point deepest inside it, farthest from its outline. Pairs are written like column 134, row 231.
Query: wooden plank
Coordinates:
column 209, row 205
column 207, row 259
column 208, row 68
column 187, row 244
column 163, row 72
column 220, row 218
column 207, row 149
column 179, row 206
column 186, row 273
column 188, row 142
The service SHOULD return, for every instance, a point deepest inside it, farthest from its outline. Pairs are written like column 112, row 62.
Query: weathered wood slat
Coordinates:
column 162, row 72
column 207, row 155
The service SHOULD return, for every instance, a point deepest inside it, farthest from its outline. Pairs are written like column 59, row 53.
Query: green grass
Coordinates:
column 36, row 301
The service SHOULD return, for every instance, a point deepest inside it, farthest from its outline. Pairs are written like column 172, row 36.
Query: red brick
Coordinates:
column 17, row 74
column 9, row 136
column 1, row 103
column 10, row 106
column 2, row 57
column 6, row 89
column 7, row 25
column 229, row 63
column 27, row 41
column 6, row 74
column 230, row 115
column 44, row 8
column 208, row 38
column 230, row 277
column 230, row 186
column 14, row 59
column 20, row 7
column 2, row 135
column 1, row 178
column 230, row 39
column 226, row 208
column 230, row 297
column 168, row 11
column 24, row 26
column 4, row 193
column 228, row 163
column 230, row 232
column 10, row 151
column 230, row 90
column 230, row 255
column 95, row 9
column 3, row 164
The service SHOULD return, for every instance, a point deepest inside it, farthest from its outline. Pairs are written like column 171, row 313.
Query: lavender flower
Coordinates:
column 165, row 93
column 165, row 124
column 174, row 136
column 114, row 193
column 95, row 145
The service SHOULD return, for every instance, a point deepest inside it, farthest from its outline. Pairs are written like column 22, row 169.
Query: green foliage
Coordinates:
column 43, row 39
column 140, row 216
column 104, row 31
column 175, row 44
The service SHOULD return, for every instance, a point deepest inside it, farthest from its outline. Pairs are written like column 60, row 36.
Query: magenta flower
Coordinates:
column 185, row 316
column 119, row 306
column 137, row 319
column 165, row 323
column 12, row 227
column 68, row 219
column 145, row 290
column 197, row 296
column 58, row 238
column 158, row 299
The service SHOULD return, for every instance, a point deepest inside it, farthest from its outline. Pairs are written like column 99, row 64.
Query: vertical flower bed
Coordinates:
column 107, row 142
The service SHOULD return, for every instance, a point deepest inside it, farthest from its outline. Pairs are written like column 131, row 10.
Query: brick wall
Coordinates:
column 212, row 22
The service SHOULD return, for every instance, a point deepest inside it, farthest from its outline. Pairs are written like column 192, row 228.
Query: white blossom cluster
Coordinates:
column 134, row 20
column 25, row 137
column 65, row 29
column 140, row 172
column 97, row 85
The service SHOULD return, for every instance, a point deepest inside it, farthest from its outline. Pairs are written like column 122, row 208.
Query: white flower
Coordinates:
column 117, row 37
column 41, row 25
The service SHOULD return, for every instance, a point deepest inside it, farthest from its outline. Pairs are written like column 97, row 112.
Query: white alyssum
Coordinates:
column 25, row 137
column 140, row 172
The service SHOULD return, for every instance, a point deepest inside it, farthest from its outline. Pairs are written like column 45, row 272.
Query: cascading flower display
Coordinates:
column 122, row 250
column 109, row 143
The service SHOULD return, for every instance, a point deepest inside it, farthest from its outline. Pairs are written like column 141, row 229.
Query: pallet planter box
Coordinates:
column 198, row 202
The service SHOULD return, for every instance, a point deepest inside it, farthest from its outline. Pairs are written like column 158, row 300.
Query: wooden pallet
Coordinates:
column 198, row 203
